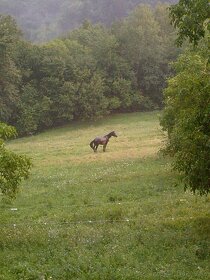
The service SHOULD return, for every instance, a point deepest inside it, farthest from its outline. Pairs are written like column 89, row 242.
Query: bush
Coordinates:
column 13, row 167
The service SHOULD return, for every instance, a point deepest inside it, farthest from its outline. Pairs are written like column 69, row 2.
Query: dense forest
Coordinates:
column 42, row 20
column 93, row 71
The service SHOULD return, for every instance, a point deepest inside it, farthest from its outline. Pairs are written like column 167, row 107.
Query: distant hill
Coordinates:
column 42, row 20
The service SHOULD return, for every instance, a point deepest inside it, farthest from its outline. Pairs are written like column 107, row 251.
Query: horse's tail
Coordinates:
column 92, row 144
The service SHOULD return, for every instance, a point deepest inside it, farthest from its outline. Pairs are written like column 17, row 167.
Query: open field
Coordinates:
column 114, row 215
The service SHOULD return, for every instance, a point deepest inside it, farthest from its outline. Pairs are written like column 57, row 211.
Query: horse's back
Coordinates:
column 100, row 140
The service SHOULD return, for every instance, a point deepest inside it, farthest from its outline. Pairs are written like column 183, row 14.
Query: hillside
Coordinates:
column 42, row 20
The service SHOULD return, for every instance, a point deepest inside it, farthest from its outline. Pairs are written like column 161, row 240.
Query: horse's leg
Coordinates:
column 104, row 147
column 95, row 148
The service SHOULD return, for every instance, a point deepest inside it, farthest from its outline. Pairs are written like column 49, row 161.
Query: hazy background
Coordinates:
column 42, row 20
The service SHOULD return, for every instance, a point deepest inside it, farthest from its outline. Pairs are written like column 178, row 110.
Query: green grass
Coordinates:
column 113, row 215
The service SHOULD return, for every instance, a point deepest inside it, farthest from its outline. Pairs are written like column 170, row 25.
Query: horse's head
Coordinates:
column 113, row 133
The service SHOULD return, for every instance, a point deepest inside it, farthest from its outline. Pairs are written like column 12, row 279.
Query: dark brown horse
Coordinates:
column 103, row 140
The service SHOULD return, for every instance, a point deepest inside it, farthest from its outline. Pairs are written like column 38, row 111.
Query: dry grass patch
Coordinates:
column 70, row 145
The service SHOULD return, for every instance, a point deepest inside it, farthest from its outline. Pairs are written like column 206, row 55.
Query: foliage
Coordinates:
column 186, row 119
column 187, row 113
column 146, row 42
column 191, row 18
column 6, row 132
column 13, row 167
column 9, row 73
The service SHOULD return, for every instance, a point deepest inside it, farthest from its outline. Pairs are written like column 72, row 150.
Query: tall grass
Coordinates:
column 114, row 215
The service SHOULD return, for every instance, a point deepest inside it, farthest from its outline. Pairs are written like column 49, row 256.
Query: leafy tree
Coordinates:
column 9, row 74
column 13, row 167
column 28, row 109
column 143, row 44
column 33, row 112
column 191, row 18
column 186, row 120
column 90, row 100
column 187, row 112
column 84, row 79
column 118, row 78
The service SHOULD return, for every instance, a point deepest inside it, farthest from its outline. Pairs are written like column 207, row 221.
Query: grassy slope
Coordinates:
column 113, row 215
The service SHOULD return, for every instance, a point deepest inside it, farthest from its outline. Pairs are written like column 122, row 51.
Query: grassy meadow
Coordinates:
column 113, row 215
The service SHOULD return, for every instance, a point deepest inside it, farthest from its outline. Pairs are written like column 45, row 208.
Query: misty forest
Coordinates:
column 72, row 70
column 42, row 20
column 89, row 72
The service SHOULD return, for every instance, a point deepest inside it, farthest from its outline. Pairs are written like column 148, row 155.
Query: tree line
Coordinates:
column 91, row 72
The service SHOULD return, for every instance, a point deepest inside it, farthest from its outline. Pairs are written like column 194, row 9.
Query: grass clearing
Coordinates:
column 113, row 215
